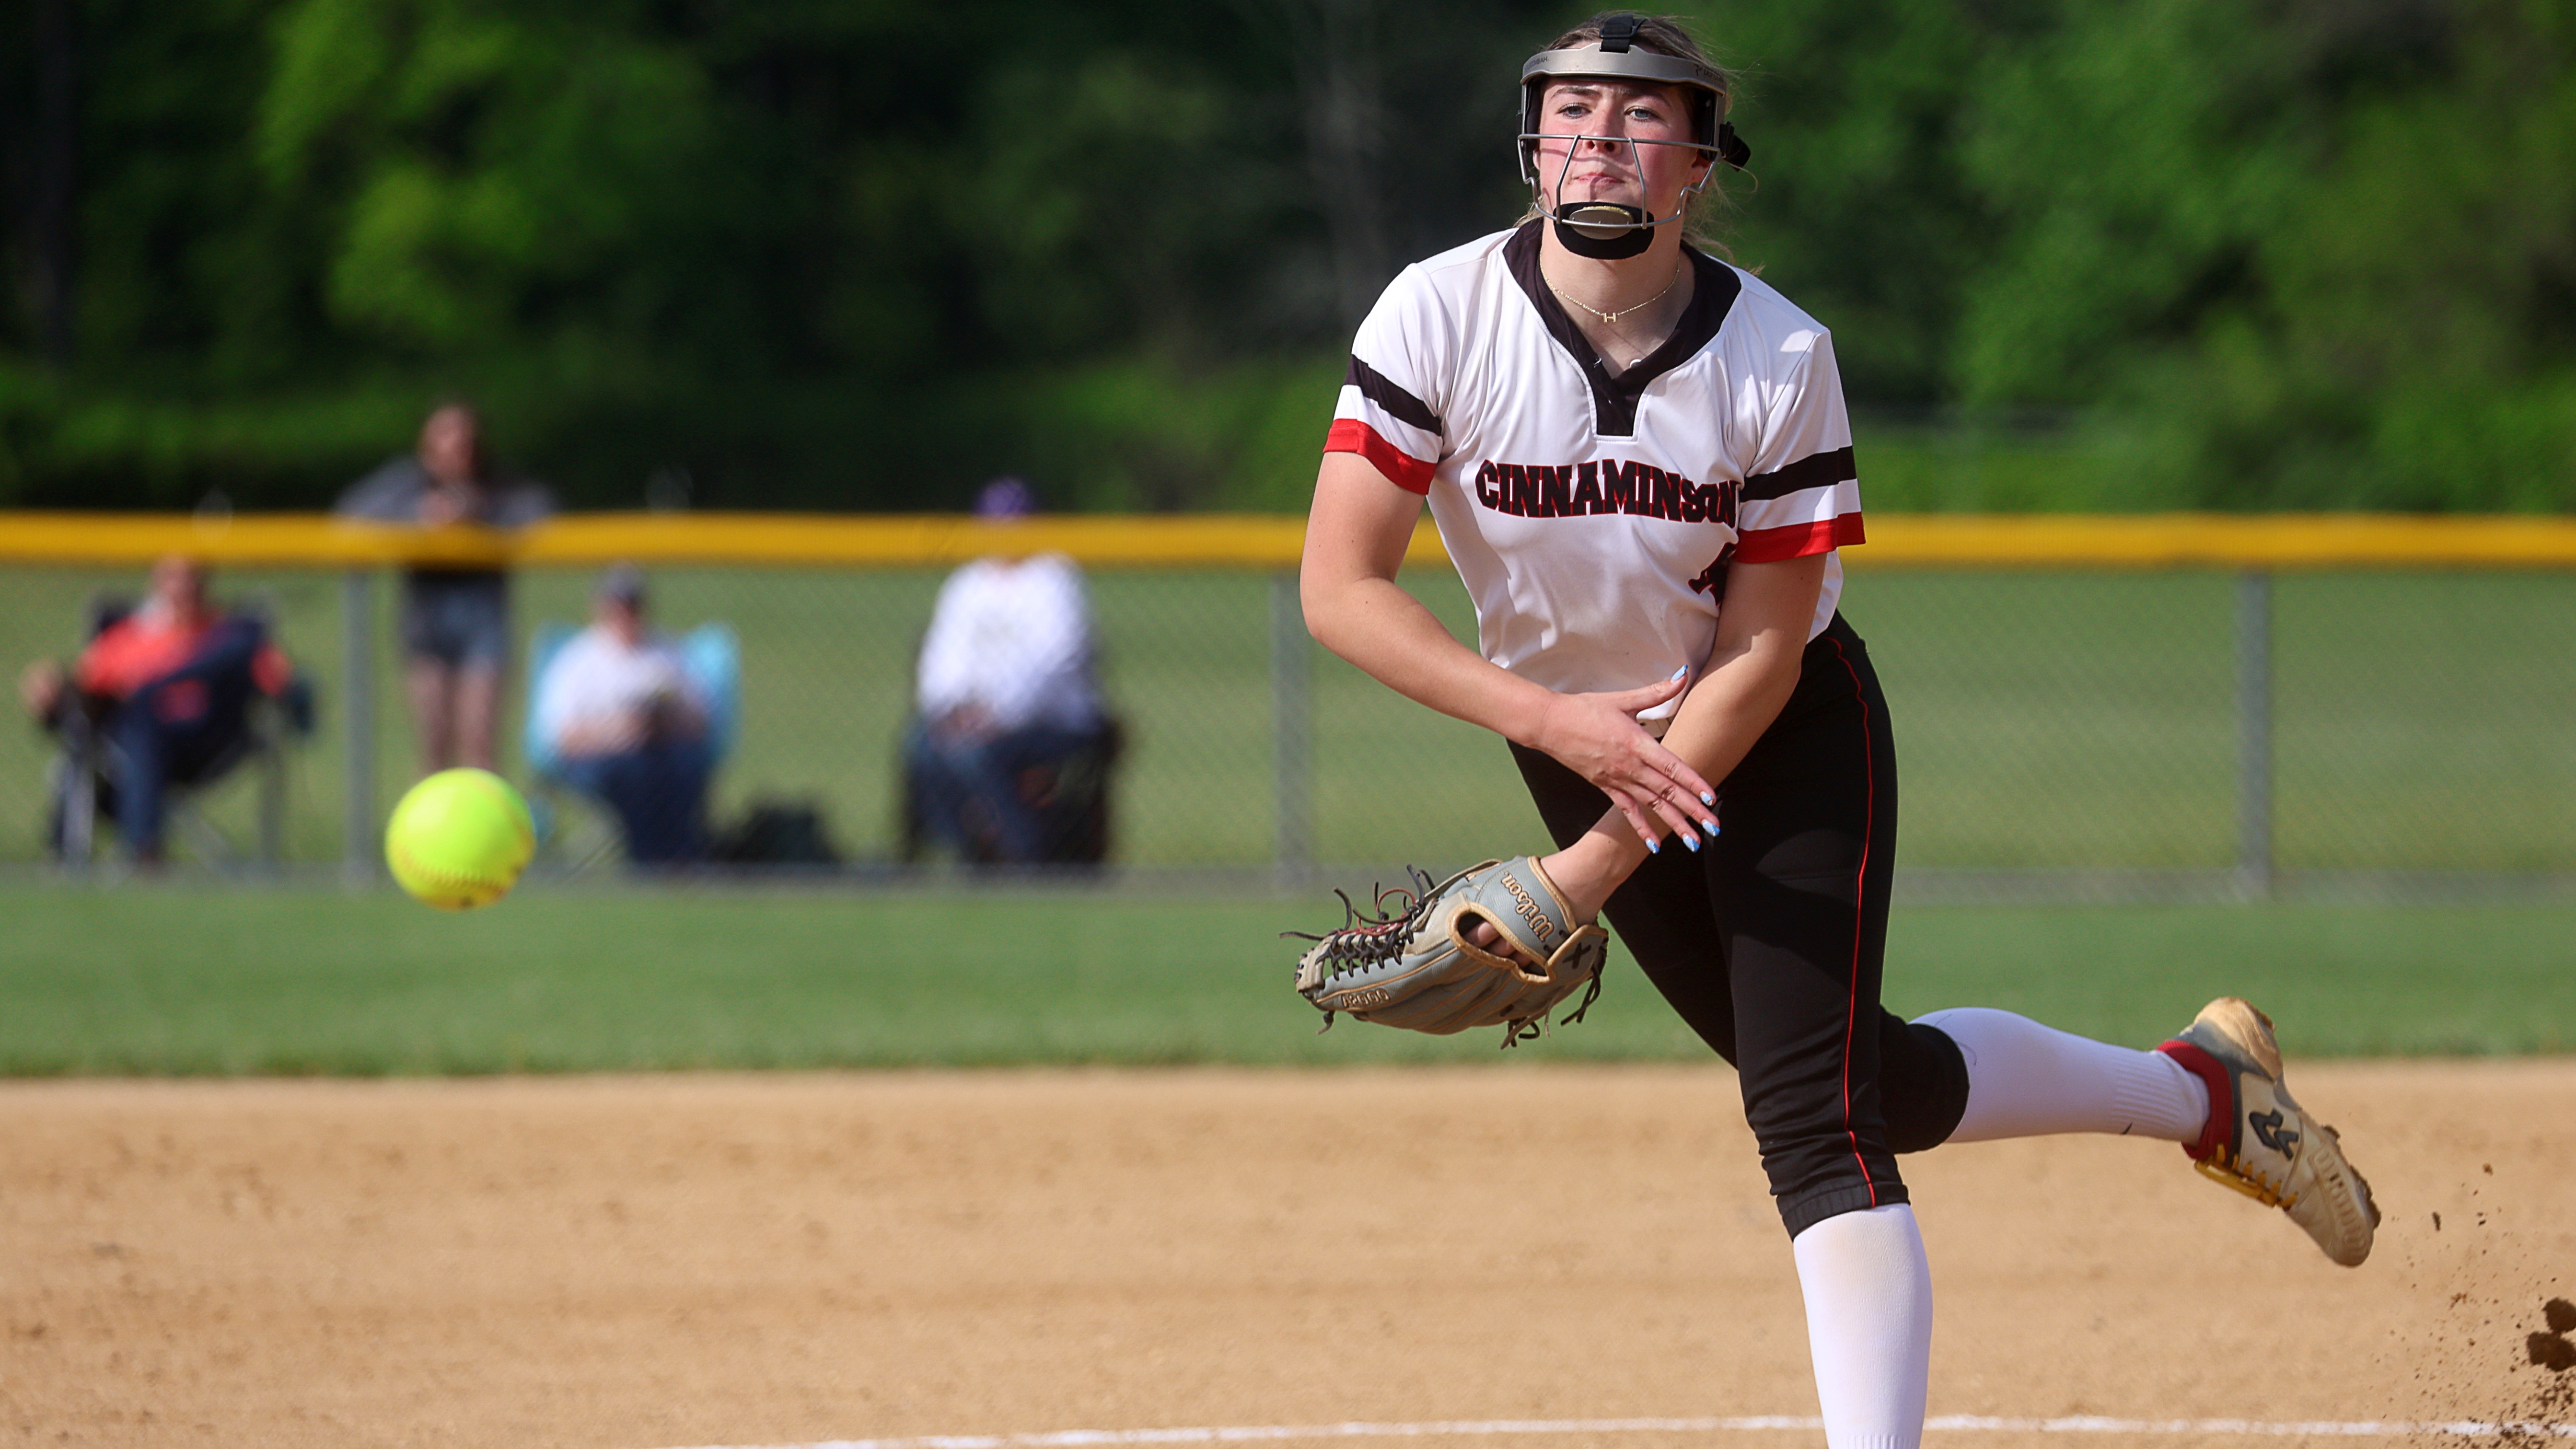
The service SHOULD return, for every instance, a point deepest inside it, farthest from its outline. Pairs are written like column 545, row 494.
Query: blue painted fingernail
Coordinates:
column 1678, row 673
column 1654, row 846
column 1690, row 840
column 1708, row 797
column 1710, row 826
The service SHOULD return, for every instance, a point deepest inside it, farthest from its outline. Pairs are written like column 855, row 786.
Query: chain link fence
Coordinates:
column 2063, row 732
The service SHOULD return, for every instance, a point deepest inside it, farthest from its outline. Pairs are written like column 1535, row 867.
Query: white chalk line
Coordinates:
column 1942, row 1423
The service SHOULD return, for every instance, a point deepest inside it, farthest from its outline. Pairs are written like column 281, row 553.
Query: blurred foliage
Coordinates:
column 2308, row 253
column 832, row 253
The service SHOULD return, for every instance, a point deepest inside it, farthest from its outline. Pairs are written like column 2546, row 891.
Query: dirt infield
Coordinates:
column 782, row 1260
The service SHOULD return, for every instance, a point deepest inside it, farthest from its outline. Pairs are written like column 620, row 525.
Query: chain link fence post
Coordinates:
column 2254, row 865
column 1292, row 733
column 358, row 714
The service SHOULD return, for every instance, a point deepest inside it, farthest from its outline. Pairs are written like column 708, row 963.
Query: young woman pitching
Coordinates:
column 1639, row 459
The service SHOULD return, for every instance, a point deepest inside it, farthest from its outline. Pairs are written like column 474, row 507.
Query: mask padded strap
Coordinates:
column 1730, row 147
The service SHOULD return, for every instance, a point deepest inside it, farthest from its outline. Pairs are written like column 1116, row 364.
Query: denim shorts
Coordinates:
column 459, row 619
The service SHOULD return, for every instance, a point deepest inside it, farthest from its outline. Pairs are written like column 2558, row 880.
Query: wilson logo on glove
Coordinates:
column 1528, row 908
column 1414, row 967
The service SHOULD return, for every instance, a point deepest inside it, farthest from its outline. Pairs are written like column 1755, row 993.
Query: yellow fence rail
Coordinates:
column 2152, row 541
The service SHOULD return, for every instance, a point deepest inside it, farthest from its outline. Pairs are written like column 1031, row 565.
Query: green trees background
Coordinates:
column 848, row 254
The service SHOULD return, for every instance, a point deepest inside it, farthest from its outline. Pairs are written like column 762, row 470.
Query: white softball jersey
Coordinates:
column 1592, row 517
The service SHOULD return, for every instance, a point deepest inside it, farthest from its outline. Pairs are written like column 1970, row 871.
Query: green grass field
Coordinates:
column 2044, row 720
column 193, row 980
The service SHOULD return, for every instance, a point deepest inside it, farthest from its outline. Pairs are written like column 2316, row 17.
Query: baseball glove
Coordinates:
column 1412, row 966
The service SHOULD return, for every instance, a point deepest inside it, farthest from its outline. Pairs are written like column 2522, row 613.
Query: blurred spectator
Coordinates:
column 617, row 705
column 455, row 620
column 158, row 698
column 1008, row 755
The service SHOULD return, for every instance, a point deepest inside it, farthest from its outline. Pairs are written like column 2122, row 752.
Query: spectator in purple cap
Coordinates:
column 1007, row 756
column 1005, row 498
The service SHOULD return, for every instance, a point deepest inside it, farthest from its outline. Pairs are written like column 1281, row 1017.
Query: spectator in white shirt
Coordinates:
column 631, row 727
column 1005, row 696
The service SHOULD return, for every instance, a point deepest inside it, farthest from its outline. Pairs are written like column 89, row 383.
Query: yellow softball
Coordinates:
column 459, row 839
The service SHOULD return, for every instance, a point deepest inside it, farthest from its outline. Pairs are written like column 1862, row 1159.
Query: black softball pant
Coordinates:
column 1770, row 941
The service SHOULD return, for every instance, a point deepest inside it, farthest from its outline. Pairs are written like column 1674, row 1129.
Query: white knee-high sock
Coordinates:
column 2028, row 1080
column 1869, row 1325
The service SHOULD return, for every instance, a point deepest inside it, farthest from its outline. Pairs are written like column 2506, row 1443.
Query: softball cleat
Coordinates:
column 2262, row 1143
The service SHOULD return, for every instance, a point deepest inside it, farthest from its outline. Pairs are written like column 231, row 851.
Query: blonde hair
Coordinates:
column 1666, row 35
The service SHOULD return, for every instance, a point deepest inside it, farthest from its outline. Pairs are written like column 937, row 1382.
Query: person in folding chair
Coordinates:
column 159, row 699
column 1008, row 758
column 624, row 720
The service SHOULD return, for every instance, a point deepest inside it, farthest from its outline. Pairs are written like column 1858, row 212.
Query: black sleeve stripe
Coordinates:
column 1816, row 470
column 1400, row 405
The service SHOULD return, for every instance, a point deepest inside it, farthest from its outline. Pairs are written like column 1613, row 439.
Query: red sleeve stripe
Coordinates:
column 1350, row 435
column 1798, row 540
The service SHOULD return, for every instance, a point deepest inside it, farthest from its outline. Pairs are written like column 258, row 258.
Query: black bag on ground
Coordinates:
column 777, row 832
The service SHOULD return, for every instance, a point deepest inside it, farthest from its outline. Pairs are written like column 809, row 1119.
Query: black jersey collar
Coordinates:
column 1614, row 399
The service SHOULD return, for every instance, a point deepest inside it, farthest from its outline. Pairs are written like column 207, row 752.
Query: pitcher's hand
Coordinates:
column 1597, row 736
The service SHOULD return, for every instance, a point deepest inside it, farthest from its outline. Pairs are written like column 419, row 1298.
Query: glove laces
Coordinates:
column 1364, row 940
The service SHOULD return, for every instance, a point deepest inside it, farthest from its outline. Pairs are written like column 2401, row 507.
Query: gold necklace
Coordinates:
column 1612, row 317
